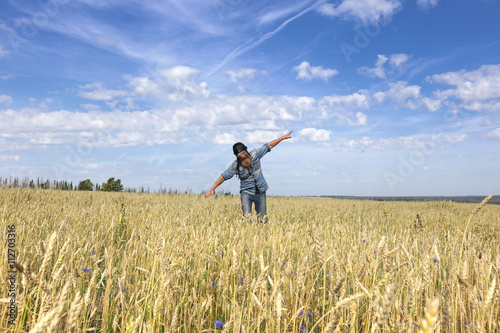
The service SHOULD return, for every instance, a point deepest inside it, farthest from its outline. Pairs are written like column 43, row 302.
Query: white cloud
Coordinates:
column 6, row 158
column 90, row 106
column 313, row 134
column 226, row 138
column 6, row 77
column 242, row 74
column 366, row 11
column 100, row 93
column 494, row 134
column 355, row 100
column 425, row 4
column 251, row 44
column 455, row 138
column 361, row 119
column 395, row 61
column 401, row 94
column 478, row 90
column 308, row 72
column 426, row 143
column 6, row 100
column 399, row 59
column 378, row 70
column 262, row 136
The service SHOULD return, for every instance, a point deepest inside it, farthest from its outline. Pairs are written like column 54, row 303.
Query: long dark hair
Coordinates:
column 238, row 168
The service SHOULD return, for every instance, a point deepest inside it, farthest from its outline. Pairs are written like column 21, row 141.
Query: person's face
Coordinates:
column 243, row 157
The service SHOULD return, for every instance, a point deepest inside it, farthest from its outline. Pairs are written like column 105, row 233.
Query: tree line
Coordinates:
column 111, row 185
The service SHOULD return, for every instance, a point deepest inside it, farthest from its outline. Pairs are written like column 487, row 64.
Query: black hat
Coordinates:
column 238, row 148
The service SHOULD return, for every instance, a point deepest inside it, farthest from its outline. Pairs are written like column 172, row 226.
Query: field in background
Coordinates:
column 113, row 262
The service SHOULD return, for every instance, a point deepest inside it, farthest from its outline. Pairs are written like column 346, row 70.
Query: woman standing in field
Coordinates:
column 253, row 186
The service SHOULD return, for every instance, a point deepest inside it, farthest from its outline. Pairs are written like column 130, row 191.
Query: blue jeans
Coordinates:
column 260, row 205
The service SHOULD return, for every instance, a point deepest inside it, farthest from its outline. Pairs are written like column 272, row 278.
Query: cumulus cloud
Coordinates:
column 395, row 61
column 478, row 90
column 401, row 94
column 226, row 138
column 366, row 11
column 313, row 134
column 177, row 104
column 307, row 72
column 361, row 119
column 175, row 84
column 378, row 71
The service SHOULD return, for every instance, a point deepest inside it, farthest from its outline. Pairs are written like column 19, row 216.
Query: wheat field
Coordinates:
column 123, row 262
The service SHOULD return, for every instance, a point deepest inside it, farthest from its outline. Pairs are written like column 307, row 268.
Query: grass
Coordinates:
column 123, row 262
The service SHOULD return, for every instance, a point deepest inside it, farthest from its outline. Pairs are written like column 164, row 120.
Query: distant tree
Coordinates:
column 85, row 185
column 112, row 185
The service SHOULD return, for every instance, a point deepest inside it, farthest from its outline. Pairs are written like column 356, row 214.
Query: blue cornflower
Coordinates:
column 93, row 253
column 123, row 289
column 309, row 314
column 242, row 280
column 86, row 270
column 213, row 284
column 468, row 325
column 120, row 308
column 301, row 313
column 303, row 329
column 99, row 265
column 219, row 324
column 435, row 260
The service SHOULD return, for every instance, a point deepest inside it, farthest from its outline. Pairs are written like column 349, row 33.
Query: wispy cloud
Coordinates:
column 251, row 44
column 3, row 52
column 6, row 100
column 425, row 4
column 242, row 74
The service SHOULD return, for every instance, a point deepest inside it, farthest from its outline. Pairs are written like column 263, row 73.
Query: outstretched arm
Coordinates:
column 273, row 143
column 217, row 183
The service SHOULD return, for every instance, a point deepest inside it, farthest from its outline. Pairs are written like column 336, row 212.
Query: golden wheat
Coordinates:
column 163, row 263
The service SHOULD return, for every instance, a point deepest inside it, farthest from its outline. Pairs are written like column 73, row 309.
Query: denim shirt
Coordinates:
column 249, row 181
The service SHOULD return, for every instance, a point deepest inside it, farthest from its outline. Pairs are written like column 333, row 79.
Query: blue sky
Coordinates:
column 384, row 97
